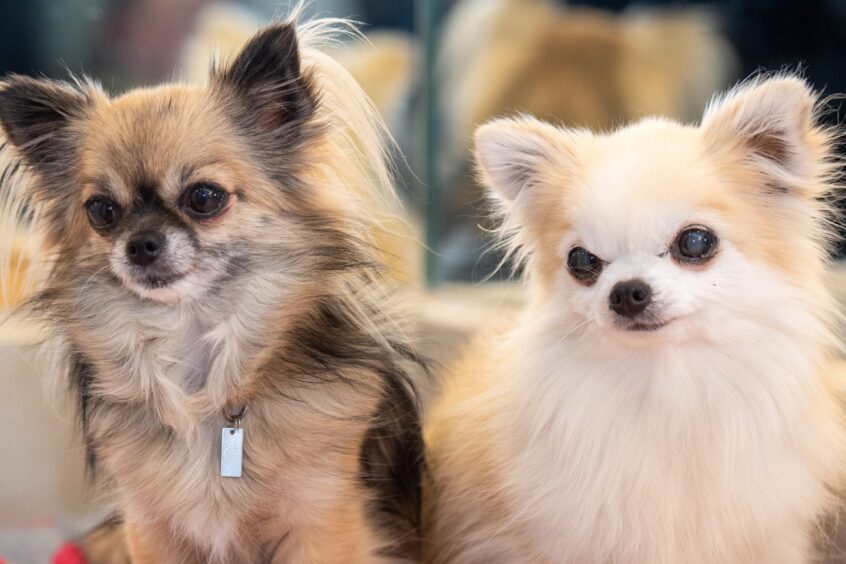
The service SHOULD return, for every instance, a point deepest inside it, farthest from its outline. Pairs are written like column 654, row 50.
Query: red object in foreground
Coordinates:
column 68, row 553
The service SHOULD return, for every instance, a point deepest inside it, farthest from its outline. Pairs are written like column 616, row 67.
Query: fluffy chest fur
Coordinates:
column 694, row 453
column 153, row 390
column 184, row 363
column 300, row 468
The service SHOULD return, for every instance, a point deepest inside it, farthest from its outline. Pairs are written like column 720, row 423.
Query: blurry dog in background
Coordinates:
column 668, row 395
column 213, row 277
column 580, row 66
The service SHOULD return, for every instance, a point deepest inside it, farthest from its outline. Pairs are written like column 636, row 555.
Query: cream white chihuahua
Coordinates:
column 667, row 395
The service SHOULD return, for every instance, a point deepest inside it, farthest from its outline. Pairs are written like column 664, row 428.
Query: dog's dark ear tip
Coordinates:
column 270, row 56
column 34, row 112
column 267, row 77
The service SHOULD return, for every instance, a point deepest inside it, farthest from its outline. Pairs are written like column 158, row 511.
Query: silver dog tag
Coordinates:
column 231, row 452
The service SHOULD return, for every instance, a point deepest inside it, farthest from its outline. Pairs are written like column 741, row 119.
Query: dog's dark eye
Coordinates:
column 694, row 245
column 102, row 213
column 204, row 200
column 584, row 265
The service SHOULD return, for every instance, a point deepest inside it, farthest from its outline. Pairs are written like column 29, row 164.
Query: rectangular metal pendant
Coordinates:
column 231, row 452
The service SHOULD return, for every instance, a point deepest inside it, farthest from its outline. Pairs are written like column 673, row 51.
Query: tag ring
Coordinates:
column 234, row 420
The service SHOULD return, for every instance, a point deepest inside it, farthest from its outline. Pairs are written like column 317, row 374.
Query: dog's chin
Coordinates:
column 167, row 289
column 648, row 332
column 643, row 326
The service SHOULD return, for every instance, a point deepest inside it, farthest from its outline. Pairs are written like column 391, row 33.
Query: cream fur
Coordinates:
column 718, row 438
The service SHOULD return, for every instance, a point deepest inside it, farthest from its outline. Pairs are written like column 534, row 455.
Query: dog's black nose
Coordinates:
column 630, row 298
column 145, row 247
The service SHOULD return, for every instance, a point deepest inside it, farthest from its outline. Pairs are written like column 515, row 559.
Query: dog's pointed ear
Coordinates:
column 37, row 117
column 773, row 123
column 511, row 153
column 268, row 77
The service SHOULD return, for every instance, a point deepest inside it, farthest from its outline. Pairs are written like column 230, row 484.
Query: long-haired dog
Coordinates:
column 216, row 300
column 666, row 396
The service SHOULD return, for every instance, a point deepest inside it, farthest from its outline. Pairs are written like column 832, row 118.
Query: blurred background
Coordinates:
column 435, row 69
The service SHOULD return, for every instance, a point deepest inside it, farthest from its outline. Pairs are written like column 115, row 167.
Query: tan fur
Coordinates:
column 464, row 459
column 108, row 543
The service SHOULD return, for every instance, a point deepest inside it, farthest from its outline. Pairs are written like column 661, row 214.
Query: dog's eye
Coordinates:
column 694, row 245
column 204, row 200
column 102, row 213
column 584, row 265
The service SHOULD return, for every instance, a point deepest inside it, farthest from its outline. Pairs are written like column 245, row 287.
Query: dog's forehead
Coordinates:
column 148, row 140
column 639, row 186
